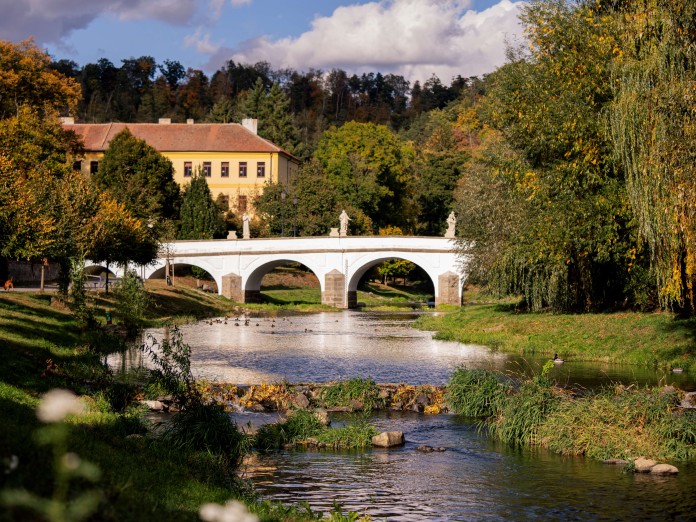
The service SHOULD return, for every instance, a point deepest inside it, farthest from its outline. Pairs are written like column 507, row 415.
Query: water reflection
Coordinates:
column 474, row 479
column 330, row 346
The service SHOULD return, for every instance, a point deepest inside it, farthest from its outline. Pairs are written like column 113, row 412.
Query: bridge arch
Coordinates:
column 365, row 263
column 252, row 286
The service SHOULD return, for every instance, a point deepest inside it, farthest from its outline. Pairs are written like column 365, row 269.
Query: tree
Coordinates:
column 141, row 178
column 653, row 129
column 26, row 78
column 200, row 216
column 370, row 169
column 574, row 245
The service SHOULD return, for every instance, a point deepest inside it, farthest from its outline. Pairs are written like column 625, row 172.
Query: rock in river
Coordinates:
column 388, row 439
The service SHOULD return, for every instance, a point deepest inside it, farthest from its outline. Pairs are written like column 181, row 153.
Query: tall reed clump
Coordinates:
column 342, row 393
column 300, row 425
column 200, row 425
column 622, row 422
column 475, row 392
column 517, row 423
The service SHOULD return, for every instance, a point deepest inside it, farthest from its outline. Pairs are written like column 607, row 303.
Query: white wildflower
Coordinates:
column 57, row 404
column 232, row 511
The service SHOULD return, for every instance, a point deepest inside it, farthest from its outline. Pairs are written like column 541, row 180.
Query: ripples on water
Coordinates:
column 474, row 479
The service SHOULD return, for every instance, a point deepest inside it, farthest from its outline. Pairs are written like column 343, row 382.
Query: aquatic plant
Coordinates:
column 300, row 425
column 475, row 392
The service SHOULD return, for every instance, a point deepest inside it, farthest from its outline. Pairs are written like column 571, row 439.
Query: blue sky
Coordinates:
column 415, row 38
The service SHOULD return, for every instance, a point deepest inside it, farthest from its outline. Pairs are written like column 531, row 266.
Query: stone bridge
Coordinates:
column 238, row 265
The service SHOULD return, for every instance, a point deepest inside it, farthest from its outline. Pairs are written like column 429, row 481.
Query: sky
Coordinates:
column 414, row 38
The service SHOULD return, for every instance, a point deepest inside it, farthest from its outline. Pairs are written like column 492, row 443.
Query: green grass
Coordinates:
column 358, row 389
column 302, row 425
column 614, row 422
column 646, row 339
column 142, row 478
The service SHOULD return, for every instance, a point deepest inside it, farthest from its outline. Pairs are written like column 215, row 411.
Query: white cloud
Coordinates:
column 201, row 42
column 237, row 3
column 415, row 38
column 52, row 20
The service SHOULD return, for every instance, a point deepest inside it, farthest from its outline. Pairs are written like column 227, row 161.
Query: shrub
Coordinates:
column 475, row 392
column 300, row 425
column 131, row 301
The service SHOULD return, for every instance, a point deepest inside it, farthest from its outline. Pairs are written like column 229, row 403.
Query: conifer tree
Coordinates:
column 200, row 216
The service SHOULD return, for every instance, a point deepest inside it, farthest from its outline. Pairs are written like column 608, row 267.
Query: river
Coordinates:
column 474, row 478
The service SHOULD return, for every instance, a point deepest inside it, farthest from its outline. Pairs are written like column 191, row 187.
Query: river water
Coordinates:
column 474, row 478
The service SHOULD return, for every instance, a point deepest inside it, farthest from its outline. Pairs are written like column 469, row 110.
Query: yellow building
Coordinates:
column 236, row 161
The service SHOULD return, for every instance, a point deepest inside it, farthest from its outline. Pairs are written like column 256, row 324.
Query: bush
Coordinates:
column 475, row 393
column 131, row 301
column 300, row 425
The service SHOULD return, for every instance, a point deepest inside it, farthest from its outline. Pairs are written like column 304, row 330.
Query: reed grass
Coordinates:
column 475, row 392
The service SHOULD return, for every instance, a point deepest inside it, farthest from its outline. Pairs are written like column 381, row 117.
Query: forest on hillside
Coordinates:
column 570, row 167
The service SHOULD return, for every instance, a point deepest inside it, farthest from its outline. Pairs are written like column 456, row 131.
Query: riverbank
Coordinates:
column 644, row 339
column 108, row 458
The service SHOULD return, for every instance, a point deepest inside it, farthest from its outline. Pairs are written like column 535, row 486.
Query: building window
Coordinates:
column 188, row 169
column 207, row 169
column 77, row 166
column 241, row 203
column 93, row 167
column 242, row 169
column 225, row 169
column 261, row 169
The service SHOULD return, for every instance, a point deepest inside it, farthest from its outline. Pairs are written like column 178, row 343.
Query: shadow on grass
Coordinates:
column 267, row 299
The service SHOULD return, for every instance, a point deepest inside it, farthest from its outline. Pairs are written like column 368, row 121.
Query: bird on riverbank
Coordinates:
column 557, row 360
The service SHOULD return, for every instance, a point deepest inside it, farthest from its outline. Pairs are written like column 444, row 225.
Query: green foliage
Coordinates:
column 356, row 435
column 300, row 425
column 651, row 124
column 200, row 216
column 139, row 177
column 342, row 393
column 82, row 311
column 475, row 393
column 519, row 420
column 132, row 301
column 370, row 169
column 569, row 241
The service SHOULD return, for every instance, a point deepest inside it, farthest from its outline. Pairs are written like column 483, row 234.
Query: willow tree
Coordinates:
column 653, row 127
column 571, row 245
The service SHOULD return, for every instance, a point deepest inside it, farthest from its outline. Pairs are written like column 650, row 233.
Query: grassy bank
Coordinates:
column 616, row 422
column 105, row 461
column 646, row 339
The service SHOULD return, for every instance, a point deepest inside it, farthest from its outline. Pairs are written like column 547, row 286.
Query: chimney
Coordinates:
column 250, row 124
column 165, row 121
column 65, row 120
column 189, row 121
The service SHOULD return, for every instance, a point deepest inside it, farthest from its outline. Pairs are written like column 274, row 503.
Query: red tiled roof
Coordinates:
column 178, row 137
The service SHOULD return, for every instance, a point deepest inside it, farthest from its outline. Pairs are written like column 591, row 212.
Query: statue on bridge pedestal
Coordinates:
column 451, row 224
column 245, row 226
column 344, row 219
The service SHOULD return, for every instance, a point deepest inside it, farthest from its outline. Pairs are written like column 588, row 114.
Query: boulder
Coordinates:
column 664, row 469
column 388, row 439
column 643, row 465
column 154, row 405
column 617, row 462
column 689, row 400
column 356, row 405
column 301, row 401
